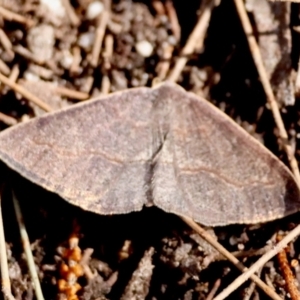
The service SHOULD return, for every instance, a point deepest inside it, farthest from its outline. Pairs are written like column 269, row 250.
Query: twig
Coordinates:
column 205, row 235
column 6, row 43
column 297, row 82
column 173, row 19
column 19, row 89
column 7, row 294
column 75, row 66
column 105, row 85
column 27, row 250
column 4, row 67
column 104, row 17
column 107, row 55
column 194, row 39
column 19, row 49
column 6, row 286
column 269, row 281
column 14, row 74
column 297, row 1
column 108, row 51
column 163, row 66
column 71, row 93
column 267, row 87
column 88, row 84
column 287, row 273
column 8, row 120
column 247, row 253
column 214, row 289
column 86, row 256
column 158, row 7
column 75, row 21
column 258, row 264
column 249, row 291
column 11, row 16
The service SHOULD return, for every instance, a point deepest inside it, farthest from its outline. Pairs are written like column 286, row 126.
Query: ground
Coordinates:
column 149, row 254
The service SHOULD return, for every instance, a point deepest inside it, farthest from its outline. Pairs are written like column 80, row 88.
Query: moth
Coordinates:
column 158, row 146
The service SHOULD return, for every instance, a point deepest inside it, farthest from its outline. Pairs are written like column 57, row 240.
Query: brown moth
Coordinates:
column 156, row 146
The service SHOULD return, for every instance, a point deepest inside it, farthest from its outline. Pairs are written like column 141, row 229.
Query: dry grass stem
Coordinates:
column 27, row 250
column 296, row 1
column 214, row 290
column 250, row 290
column 27, row 54
column 75, row 67
column 205, row 235
column 163, row 66
column 74, row 20
column 197, row 35
column 8, row 120
column 6, row 43
column 11, row 16
column 100, row 31
column 259, row 264
column 4, row 68
column 5, row 280
column 297, row 83
column 173, row 19
column 107, row 55
column 71, row 93
column 254, row 48
column 14, row 74
column 19, row 89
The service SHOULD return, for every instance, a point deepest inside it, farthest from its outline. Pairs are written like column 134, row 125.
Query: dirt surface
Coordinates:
column 149, row 254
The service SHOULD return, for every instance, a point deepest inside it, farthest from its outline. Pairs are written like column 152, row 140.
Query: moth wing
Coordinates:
column 213, row 171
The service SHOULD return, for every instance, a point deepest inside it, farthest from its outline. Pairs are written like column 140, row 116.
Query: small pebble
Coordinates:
column 86, row 40
column 240, row 246
column 66, row 59
column 54, row 7
column 41, row 41
column 94, row 9
column 144, row 48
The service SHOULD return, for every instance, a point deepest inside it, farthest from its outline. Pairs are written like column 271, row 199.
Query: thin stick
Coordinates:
column 259, row 264
column 4, row 68
column 88, row 84
column 11, row 16
column 107, row 55
column 75, row 21
column 8, row 120
column 75, row 67
column 7, row 45
column 297, row 83
column 297, row 1
column 250, row 290
column 214, row 289
column 8, row 295
column 101, row 28
column 163, row 66
column 205, row 235
column 14, row 74
column 71, row 93
column 194, row 40
column 6, row 286
column 267, row 87
column 26, row 94
column 158, row 7
column 19, row 49
column 27, row 250
column 173, row 19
